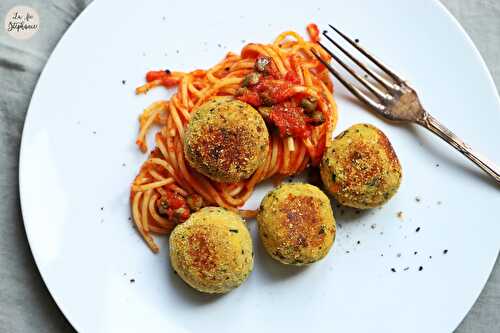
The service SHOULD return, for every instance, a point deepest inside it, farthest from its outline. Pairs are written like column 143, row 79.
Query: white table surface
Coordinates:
column 25, row 304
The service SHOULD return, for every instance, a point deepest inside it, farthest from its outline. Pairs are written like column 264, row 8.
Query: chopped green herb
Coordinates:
column 373, row 182
column 309, row 104
column 322, row 230
column 261, row 63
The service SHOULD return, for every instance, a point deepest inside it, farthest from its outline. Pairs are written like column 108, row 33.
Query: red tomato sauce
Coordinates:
column 165, row 77
column 173, row 206
column 290, row 121
column 276, row 91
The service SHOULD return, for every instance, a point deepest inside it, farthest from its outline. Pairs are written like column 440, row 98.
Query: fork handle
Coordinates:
column 440, row 130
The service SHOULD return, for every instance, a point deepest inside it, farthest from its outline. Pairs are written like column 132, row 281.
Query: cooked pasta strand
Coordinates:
column 166, row 173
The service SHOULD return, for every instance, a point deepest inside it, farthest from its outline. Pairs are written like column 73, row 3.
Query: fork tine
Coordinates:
column 376, row 91
column 386, row 84
column 369, row 56
column 355, row 91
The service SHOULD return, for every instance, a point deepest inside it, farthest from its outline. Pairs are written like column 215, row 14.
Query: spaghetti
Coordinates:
column 167, row 190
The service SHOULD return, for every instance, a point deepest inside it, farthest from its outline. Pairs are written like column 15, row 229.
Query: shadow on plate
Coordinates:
column 270, row 269
column 185, row 292
column 345, row 215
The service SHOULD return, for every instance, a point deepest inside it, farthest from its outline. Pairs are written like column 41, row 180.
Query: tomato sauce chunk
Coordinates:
column 290, row 121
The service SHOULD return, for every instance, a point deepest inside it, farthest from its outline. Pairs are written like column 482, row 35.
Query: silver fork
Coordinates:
column 396, row 100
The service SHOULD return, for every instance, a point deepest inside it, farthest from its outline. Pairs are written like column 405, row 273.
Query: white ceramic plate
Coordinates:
column 78, row 157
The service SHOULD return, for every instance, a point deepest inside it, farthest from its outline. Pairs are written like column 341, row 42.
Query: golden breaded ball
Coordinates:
column 360, row 168
column 296, row 224
column 212, row 251
column 226, row 140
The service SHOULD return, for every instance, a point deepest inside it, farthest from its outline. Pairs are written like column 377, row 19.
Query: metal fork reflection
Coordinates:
column 394, row 99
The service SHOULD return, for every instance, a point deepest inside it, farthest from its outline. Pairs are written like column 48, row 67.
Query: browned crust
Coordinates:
column 222, row 150
column 367, row 165
column 361, row 166
column 389, row 150
column 296, row 224
column 226, row 140
column 302, row 221
column 202, row 252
